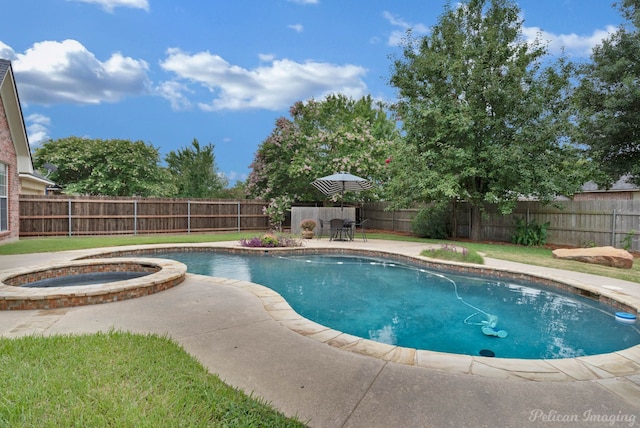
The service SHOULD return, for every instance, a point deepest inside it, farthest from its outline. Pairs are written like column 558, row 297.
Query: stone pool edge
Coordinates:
column 597, row 367
column 610, row 370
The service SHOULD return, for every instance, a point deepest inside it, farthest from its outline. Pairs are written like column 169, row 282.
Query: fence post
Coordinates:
column 135, row 216
column 238, row 216
column 189, row 216
column 69, row 210
column 613, row 229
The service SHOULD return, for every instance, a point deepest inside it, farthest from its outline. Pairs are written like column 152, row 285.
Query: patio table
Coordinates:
column 341, row 229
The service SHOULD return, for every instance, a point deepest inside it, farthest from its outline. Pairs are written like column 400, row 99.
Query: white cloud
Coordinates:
column 274, row 86
column 297, row 27
column 395, row 37
column 37, row 129
column 573, row 44
column 266, row 57
column 53, row 72
column 110, row 5
column 305, row 1
column 234, row 176
column 175, row 93
column 6, row 52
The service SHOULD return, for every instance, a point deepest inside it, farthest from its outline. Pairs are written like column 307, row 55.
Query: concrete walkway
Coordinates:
column 241, row 333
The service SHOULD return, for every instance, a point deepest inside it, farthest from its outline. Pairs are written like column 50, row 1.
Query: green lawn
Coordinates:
column 122, row 379
column 46, row 245
column 118, row 379
column 538, row 256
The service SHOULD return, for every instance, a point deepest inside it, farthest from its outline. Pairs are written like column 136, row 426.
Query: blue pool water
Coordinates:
column 84, row 279
column 419, row 308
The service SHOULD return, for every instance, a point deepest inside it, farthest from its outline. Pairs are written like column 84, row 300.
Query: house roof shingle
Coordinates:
column 4, row 67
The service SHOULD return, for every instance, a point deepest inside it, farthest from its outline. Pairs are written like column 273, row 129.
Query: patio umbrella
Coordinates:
column 340, row 183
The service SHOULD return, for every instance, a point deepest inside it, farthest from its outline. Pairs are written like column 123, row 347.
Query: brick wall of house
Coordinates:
column 9, row 158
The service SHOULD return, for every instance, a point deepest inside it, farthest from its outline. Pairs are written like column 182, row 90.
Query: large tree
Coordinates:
column 484, row 120
column 105, row 167
column 321, row 138
column 608, row 99
column 195, row 172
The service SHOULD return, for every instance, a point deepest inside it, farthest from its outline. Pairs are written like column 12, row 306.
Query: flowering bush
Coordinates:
column 308, row 224
column 270, row 240
column 277, row 210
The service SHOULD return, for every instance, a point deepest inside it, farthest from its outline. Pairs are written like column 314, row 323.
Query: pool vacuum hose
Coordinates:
column 488, row 325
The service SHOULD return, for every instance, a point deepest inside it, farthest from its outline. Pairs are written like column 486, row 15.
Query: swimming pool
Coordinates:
column 414, row 307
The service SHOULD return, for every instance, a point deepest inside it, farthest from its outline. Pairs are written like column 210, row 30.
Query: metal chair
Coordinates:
column 322, row 224
column 337, row 229
column 362, row 229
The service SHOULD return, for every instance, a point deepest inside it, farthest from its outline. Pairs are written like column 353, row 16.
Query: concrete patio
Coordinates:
column 250, row 337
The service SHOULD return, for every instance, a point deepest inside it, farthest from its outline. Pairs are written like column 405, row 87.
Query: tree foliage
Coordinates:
column 105, row 167
column 321, row 138
column 195, row 173
column 484, row 120
column 608, row 99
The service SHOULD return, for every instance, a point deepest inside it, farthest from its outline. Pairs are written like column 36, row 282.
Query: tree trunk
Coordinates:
column 476, row 223
column 454, row 219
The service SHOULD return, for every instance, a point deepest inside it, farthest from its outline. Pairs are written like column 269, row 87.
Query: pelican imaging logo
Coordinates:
column 588, row 416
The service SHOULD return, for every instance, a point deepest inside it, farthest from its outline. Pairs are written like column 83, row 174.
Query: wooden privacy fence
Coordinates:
column 575, row 223
column 82, row 215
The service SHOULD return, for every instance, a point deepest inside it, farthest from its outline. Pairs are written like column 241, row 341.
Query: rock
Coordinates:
column 608, row 256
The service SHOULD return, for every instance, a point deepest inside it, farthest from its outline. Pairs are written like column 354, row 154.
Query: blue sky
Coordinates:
column 222, row 71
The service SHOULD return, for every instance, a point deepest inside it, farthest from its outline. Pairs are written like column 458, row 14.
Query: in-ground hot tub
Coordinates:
column 86, row 282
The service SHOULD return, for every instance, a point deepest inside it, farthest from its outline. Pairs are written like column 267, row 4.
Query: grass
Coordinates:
column 538, row 256
column 454, row 253
column 47, row 245
column 118, row 379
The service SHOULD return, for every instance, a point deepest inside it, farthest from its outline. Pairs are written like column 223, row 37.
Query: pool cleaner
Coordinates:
column 488, row 326
column 488, row 331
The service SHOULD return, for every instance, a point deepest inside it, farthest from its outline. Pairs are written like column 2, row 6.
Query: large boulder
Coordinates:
column 608, row 256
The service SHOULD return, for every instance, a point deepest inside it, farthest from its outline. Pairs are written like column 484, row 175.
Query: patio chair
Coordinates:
column 337, row 229
column 322, row 224
column 362, row 229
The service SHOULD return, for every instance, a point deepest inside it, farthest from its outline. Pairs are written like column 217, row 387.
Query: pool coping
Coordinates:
column 601, row 368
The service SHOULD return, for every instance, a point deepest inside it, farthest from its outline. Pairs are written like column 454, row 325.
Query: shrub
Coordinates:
column 270, row 240
column 277, row 211
column 308, row 224
column 453, row 253
column 627, row 241
column 529, row 234
column 432, row 222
